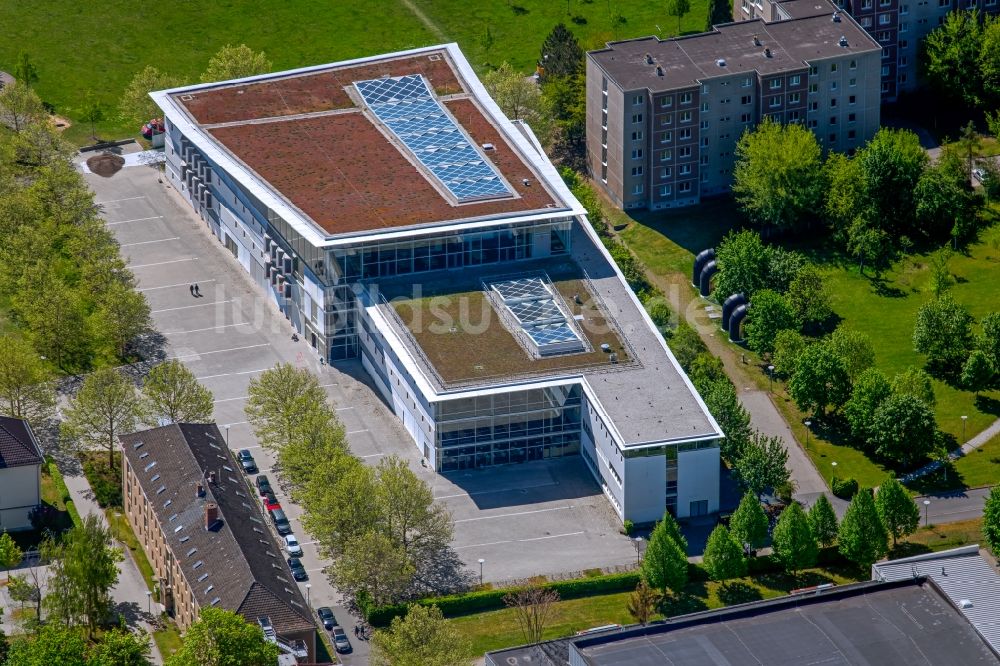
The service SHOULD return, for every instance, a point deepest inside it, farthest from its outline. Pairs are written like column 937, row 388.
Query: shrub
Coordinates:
column 844, row 488
column 628, row 527
column 104, row 481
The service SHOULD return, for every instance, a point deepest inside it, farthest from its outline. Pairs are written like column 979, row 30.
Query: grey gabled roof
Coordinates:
column 18, row 446
column 963, row 575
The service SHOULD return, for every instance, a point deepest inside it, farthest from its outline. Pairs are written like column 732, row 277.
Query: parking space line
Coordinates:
column 210, row 328
column 372, row 455
column 218, row 351
column 354, row 432
column 242, row 397
column 188, row 307
column 168, row 286
column 101, row 203
column 230, row 374
column 162, row 263
column 341, row 409
column 158, row 240
column 234, row 423
column 517, row 513
column 497, row 543
column 496, row 490
column 138, row 219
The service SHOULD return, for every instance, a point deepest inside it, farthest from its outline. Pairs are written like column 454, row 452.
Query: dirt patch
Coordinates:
column 60, row 123
column 106, row 164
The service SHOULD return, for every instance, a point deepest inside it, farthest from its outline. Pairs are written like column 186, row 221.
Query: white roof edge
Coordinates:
column 961, row 551
column 272, row 198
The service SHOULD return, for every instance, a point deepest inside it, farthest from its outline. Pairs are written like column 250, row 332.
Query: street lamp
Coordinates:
column 808, row 425
column 770, row 379
column 149, row 602
column 834, row 463
column 637, row 542
column 308, row 589
column 964, row 419
column 927, row 504
column 481, row 563
column 227, row 434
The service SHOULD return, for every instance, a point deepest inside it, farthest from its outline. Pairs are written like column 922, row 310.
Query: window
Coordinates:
column 904, row 27
column 833, row 121
column 704, row 142
column 903, row 44
column 704, row 160
column 866, row 4
column 684, row 151
column 866, row 21
column 884, row 3
column 833, row 102
column 794, row 80
column 813, row 87
column 666, row 102
column 775, row 84
column 794, row 98
column 664, row 190
column 812, row 123
column 775, row 101
column 685, row 117
column 637, row 100
column 637, row 171
column 666, row 120
column 853, row 65
column 884, row 19
column 666, row 137
column 902, row 77
column 904, row 9
column 637, row 153
column 884, row 36
column 814, row 70
column 704, row 177
column 833, row 85
column 833, row 138
column 685, row 170
column 903, row 61
column 686, row 98
column 684, row 187
column 852, row 99
column 944, row 3
column 793, row 116
column 885, row 70
column 747, row 82
column 813, row 106
column 745, row 99
column 851, row 117
column 851, row 134
column 704, row 89
column 666, row 172
column 684, row 134
column 637, row 188
column 666, row 155
column 704, row 124
column 833, row 68
column 885, row 87
column 852, row 82
column 637, row 136
column 704, row 107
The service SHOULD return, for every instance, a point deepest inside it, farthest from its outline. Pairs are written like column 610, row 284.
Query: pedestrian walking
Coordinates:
column 197, row 290
column 191, row 289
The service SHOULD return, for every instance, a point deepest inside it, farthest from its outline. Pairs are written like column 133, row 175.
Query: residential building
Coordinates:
column 907, row 621
column 664, row 116
column 898, row 26
column 392, row 212
column 201, row 526
column 21, row 461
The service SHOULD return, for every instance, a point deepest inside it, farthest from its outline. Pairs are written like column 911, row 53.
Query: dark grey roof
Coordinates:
column 237, row 564
column 18, row 446
column 688, row 61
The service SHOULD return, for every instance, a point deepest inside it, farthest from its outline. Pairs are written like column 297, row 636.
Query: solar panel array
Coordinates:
column 533, row 305
column 409, row 109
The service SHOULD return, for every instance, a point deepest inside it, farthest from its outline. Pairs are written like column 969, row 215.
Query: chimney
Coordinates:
column 211, row 515
column 211, row 477
column 200, row 491
column 767, row 52
column 649, row 59
column 756, row 40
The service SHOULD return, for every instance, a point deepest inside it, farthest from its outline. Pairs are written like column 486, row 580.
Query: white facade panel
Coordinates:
column 697, row 481
column 20, row 492
column 646, row 488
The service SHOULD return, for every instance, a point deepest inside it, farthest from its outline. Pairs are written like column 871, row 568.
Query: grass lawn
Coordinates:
column 499, row 629
column 940, row 537
column 92, row 49
column 122, row 531
column 168, row 638
column 979, row 468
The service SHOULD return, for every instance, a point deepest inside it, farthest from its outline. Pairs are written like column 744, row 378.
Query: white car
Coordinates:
column 979, row 174
column 292, row 545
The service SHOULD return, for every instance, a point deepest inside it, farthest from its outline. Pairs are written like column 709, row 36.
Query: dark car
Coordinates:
column 340, row 640
column 246, row 459
column 280, row 521
column 326, row 617
column 263, row 484
column 298, row 571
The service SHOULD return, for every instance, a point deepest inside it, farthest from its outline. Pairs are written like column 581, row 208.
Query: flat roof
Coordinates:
column 687, row 61
column 645, row 396
column 308, row 136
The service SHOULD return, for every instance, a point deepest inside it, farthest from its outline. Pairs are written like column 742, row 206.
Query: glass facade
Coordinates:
column 514, row 427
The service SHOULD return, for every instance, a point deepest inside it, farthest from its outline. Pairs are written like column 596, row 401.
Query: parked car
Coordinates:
column 270, row 501
column 340, row 641
column 263, row 484
column 292, row 545
column 326, row 617
column 280, row 521
column 246, row 459
column 298, row 571
column 979, row 174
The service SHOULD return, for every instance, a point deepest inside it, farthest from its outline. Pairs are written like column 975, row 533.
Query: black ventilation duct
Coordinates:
column 705, row 282
column 703, row 258
column 736, row 323
column 728, row 306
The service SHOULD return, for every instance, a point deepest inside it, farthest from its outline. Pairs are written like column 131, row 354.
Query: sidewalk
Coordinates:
column 129, row 593
column 986, row 435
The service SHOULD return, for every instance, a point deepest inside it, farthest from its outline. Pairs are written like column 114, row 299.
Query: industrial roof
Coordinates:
column 18, row 446
column 971, row 584
column 310, row 138
column 688, row 61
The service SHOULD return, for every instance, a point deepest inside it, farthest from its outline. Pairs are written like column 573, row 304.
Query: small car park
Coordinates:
column 292, row 545
column 298, row 571
column 247, row 461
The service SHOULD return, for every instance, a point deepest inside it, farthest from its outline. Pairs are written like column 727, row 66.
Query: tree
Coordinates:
column 20, row 107
column 93, row 113
column 122, row 316
column 279, row 401
column 376, row 565
column 989, row 61
column 820, row 379
column 991, row 520
column 224, row 638
column 519, row 98
column 678, row 8
column 28, row 589
column 135, row 105
column 943, row 332
column 26, row 388
column 914, row 381
column 105, row 407
column 322, row 439
column 722, row 402
column 84, row 569
column 723, row 557
column 897, row 511
column 952, row 56
column 891, row 165
column 762, row 464
column 871, row 389
column 422, row 637
column 743, row 260
column 903, row 430
column 978, row 373
column 809, row 297
column 749, row 523
column 121, row 647
column 533, row 608
column 862, row 537
column 561, row 54
column 868, row 244
column 778, row 177
column 25, row 70
column 988, row 340
column 171, row 394
column 409, row 515
column 823, row 522
column 10, row 554
column 642, row 603
column 945, row 203
column 719, row 11
column 788, row 346
column 664, row 564
column 855, row 350
column 844, row 200
column 52, row 313
column 55, row 643
column 706, row 369
column 235, row 62
column 794, row 543
column 941, row 277
column 770, row 312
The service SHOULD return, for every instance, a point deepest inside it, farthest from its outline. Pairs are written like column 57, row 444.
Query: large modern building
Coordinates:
column 664, row 116
column 392, row 213
column 201, row 526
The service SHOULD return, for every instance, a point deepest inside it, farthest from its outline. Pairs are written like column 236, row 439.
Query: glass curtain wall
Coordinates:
column 514, row 427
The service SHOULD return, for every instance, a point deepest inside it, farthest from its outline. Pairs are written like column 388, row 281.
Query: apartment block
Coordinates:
column 664, row 116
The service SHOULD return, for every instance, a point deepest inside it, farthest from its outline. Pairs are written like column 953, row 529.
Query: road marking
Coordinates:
column 168, row 286
column 341, row 409
column 160, row 240
column 101, row 203
column 373, row 455
column 242, row 397
column 138, row 219
column 498, row 490
column 162, row 263
column 229, row 374
column 234, row 423
column 497, row 543
column 210, row 328
column 218, row 351
column 314, row 571
column 518, row 513
column 354, row 432
column 188, row 307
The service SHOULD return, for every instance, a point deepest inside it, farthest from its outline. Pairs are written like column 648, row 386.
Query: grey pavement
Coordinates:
column 953, row 506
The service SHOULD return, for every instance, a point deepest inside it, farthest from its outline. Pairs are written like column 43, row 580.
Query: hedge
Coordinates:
column 844, row 488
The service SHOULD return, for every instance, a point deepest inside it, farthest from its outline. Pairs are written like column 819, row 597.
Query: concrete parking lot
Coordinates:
column 538, row 518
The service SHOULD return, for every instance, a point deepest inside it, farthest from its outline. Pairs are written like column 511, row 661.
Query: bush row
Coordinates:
column 60, row 485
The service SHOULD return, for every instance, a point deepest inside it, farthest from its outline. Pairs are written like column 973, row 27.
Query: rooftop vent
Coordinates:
column 843, row 41
column 767, row 52
column 489, row 146
column 200, row 490
column 211, row 514
column 525, row 182
column 137, row 445
column 211, row 477
column 965, row 603
column 836, row 17
column 721, row 62
column 659, row 70
column 187, row 98
column 649, row 59
column 434, row 57
column 756, row 40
